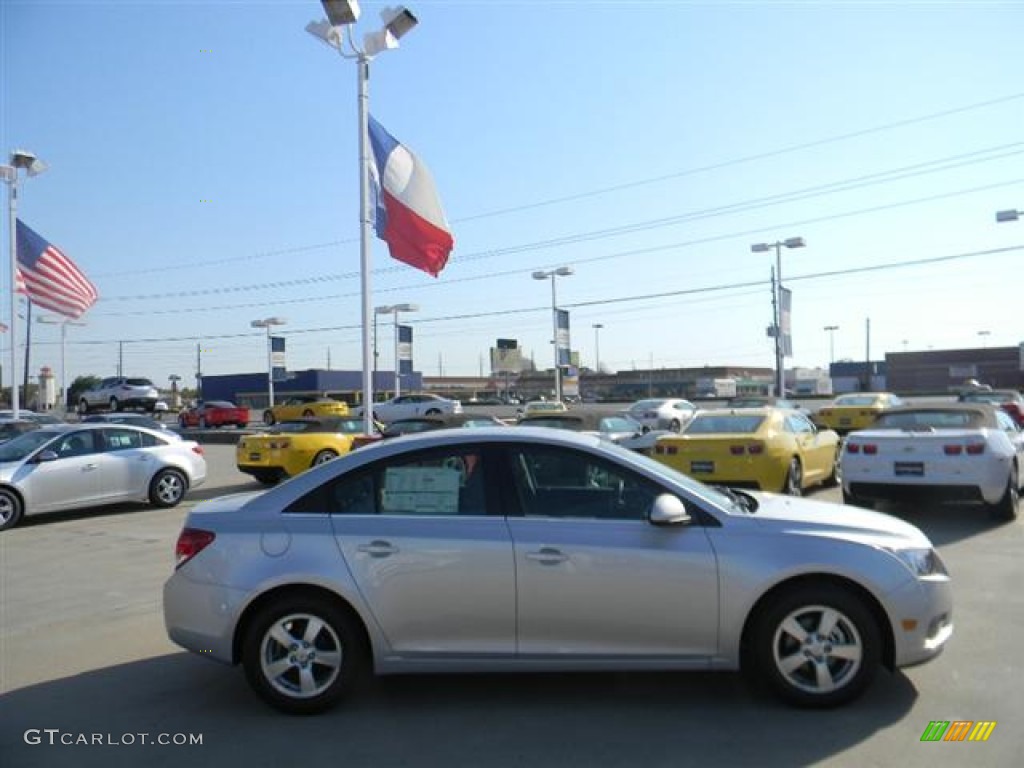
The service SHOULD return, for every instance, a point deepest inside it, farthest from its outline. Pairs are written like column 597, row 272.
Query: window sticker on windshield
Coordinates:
column 421, row 490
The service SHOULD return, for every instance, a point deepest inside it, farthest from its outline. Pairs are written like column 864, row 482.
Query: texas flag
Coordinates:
column 409, row 217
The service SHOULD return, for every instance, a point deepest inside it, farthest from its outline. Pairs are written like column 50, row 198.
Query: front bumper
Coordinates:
column 922, row 619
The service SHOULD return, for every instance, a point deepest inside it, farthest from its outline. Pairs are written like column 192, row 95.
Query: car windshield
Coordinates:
column 732, row 424
column 20, row 447
column 218, row 404
column 937, row 419
column 857, row 400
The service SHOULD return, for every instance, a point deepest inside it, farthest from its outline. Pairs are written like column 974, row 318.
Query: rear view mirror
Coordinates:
column 669, row 510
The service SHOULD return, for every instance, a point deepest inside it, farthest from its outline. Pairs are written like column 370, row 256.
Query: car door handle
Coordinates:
column 89, row 467
column 378, row 548
column 547, row 556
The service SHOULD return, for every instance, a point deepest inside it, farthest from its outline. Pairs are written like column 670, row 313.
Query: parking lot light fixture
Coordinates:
column 597, row 347
column 63, row 322
column 1011, row 215
column 268, row 323
column 553, row 274
column 780, row 363
column 396, row 309
column 21, row 160
column 336, row 32
column 831, row 329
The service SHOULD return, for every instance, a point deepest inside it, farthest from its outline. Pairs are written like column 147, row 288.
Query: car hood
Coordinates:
column 799, row 515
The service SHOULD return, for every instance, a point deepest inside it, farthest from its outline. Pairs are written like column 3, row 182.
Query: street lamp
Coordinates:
column 336, row 32
column 1011, row 215
column 395, row 309
column 831, row 342
column 780, row 364
column 21, row 159
column 63, row 323
column 269, row 323
column 553, row 274
column 984, row 338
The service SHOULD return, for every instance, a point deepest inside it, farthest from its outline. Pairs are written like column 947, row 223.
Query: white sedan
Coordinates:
column 662, row 413
column 62, row 467
column 961, row 452
column 410, row 406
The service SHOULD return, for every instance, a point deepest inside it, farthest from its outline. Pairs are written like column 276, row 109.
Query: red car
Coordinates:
column 214, row 413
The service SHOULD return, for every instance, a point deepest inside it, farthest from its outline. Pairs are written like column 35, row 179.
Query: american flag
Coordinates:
column 49, row 278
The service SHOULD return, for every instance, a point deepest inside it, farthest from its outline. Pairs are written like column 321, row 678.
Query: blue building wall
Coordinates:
column 250, row 389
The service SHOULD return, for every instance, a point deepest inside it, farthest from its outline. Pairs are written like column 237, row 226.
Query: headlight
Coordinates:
column 922, row 562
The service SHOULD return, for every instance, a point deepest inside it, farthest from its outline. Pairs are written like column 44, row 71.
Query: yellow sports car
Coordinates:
column 304, row 407
column 292, row 447
column 855, row 411
column 769, row 449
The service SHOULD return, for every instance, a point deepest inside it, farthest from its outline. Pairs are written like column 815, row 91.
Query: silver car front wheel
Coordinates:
column 167, row 488
column 817, row 646
column 302, row 654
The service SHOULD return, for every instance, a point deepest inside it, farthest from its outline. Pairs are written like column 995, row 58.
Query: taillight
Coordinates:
column 736, row 450
column 191, row 541
column 952, row 450
column 669, row 450
column 755, row 448
column 870, row 449
column 975, row 449
column 197, row 448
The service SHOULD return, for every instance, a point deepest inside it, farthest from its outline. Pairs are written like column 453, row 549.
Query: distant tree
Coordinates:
column 80, row 385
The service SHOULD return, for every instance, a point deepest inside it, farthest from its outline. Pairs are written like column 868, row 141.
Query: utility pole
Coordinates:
column 328, row 358
column 28, row 343
column 199, row 371
column 120, row 359
column 867, row 354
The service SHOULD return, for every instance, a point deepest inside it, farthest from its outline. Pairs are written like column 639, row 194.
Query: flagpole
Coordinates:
column 28, row 343
column 365, row 254
column 12, row 207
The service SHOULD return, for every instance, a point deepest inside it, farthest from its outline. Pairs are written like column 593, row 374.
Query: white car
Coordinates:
column 962, row 452
column 409, row 406
column 662, row 413
column 65, row 466
column 119, row 392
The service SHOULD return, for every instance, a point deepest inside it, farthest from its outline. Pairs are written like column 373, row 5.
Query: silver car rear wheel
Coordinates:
column 167, row 488
column 302, row 654
column 11, row 509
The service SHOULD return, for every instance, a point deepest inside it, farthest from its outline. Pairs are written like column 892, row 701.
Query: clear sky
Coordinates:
column 203, row 173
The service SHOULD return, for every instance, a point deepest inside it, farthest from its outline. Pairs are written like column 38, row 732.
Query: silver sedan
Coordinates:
column 539, row 549
column 65, row 466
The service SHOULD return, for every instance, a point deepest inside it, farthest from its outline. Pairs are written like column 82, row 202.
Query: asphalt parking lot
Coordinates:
column 83, row 654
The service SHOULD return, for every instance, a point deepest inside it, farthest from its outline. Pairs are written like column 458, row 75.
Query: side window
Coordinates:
column 558, row 482
column 75, row 444
column 1006, row 423
column 430, row 483
column 121, row 439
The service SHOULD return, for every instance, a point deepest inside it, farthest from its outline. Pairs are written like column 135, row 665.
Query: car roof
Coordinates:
column 578, row 420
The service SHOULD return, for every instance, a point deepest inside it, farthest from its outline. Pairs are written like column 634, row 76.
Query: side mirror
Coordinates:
column 669, row 510
column 45, row 456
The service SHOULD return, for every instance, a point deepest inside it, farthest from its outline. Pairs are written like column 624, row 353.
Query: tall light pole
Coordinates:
column 780, row 364
column 268, row 323
column 554, row 274
column 336, row 32
column 984, row 338
column 597, row 347
column 21, row 159
column 831, row 342
column 396, row 309
column 63, row 323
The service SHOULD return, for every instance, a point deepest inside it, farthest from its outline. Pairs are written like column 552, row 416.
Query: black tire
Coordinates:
column 115, row 406
column 854, row 501
column 1006, row 507
column 202, row 422
column 242, row 424
column 793, row 486
column 308, row 414
column 433, row 412
column 836, row 476
column 167, row 488
column 330, row 662
column 807, row 670
column 181, row 422
column 83, row 407
column 322, row 457
column 268, row 478
column 268, row 418
column 675, row 426
column 11, row 509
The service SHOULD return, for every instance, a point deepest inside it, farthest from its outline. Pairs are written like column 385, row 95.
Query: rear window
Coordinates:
column 857, row 400
column 945, row 419
column 733, row 424
column 138, row 382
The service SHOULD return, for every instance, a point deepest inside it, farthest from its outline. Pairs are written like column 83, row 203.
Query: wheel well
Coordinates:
column 293, row 590
column 817, row 580
column 15, row 492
